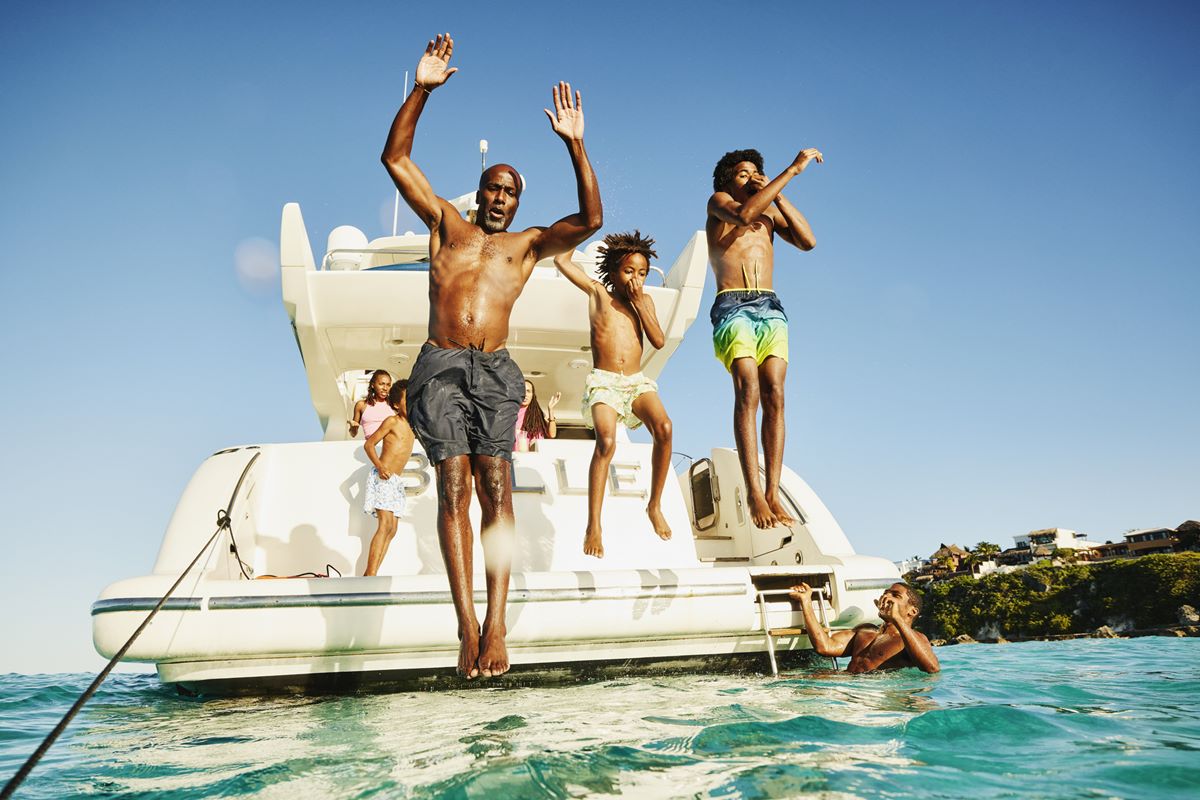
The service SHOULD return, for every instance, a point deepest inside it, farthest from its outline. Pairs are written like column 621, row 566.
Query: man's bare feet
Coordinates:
column 592, row 545
column 761, row 513
column 493, row 655
column 468, row 653
column 659, row 522
column 782, row 517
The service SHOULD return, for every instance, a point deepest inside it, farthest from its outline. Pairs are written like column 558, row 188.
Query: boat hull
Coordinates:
column 341, row 634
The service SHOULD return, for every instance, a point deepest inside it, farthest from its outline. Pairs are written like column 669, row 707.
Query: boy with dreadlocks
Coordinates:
column 745, row 213
column 616, row 390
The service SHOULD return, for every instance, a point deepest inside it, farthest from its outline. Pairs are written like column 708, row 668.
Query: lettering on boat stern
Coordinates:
column 417, row 468
column 622, row 480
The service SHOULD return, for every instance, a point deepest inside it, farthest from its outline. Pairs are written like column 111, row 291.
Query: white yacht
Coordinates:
column 713, row 597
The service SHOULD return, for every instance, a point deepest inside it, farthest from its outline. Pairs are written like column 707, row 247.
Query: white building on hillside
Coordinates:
column 1055, row 538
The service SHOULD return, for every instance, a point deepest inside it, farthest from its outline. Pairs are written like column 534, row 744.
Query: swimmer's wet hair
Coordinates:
column 723, row 173
column 618, row 245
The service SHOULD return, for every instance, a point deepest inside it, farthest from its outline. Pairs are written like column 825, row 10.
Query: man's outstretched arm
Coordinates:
column 825, row 645
column 722, row 206
column 432, row 71
column 572, row 230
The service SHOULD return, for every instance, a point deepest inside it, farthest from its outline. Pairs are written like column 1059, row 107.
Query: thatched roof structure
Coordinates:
column 952, row 550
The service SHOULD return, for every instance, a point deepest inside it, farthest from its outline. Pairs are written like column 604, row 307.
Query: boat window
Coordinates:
column 705, row 494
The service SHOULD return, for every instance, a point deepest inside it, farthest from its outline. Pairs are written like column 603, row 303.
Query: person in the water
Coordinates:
column 750, row 334
column 894, row 646
column 464, row 390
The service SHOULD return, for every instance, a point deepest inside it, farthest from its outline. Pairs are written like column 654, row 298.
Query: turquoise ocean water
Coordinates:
column 1087, row 718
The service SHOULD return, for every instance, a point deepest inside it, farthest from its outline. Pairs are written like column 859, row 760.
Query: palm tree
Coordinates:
column 986, row 550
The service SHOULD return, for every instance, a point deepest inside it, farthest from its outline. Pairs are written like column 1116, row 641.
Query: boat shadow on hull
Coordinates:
column 519, row 677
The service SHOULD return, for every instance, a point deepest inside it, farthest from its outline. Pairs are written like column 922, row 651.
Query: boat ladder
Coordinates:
column 822, row 593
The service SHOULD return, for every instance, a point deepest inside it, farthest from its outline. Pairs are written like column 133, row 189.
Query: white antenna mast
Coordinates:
column 396, row 204
column 482, row 155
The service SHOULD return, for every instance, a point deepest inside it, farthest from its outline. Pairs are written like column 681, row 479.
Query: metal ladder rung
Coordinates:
column 771, row 633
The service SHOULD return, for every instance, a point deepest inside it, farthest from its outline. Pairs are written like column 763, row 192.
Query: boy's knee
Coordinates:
column 606, row 444
column 662, row 430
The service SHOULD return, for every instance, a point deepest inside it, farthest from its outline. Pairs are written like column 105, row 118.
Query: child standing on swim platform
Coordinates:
column 616, row 390
column 385, row 497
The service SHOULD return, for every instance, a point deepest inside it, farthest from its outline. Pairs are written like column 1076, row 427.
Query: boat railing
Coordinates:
column 328, row 264
column 331, row 259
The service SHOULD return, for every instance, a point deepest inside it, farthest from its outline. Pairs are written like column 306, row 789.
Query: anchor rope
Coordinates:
column 223, row 524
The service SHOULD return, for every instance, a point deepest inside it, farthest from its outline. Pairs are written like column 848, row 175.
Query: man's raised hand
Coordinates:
column 567, row 118
column 801, row 592
column 803, row 158
column 432, row 68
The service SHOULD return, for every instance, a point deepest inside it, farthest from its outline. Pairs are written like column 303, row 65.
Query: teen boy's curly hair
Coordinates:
column 618, row 245
column 724, row 170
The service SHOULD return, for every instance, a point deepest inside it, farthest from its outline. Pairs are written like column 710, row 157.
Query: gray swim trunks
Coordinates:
column 464, row 401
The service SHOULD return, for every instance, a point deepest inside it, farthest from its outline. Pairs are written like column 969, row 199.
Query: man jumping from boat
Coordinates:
column 749, row 324
column 464, row 390
column 894, row 646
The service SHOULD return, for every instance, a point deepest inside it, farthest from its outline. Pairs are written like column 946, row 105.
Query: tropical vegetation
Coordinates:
column 1047, row 600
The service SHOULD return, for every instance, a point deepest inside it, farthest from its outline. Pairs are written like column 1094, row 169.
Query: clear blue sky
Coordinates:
column 997, row 331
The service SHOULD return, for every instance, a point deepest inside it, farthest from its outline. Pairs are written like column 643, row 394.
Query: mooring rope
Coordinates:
column 223, row 523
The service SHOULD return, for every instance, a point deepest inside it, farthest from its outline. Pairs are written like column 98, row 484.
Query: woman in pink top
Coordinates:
column 532, row 423
column 371, row 412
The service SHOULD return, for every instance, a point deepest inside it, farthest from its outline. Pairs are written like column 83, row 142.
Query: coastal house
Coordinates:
column 1042, row 544
column 949, row 558
column 1151, row 540
column 1112, row 550
column 1016, row 556
column 914, row 564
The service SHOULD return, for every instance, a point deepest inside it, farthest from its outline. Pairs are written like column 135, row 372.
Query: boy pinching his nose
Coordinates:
column 620, row 312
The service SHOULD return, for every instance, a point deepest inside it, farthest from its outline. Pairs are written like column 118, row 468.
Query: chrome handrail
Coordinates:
column 369, row 250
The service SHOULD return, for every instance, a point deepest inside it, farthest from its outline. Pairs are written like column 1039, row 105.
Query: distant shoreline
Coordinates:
column 1153, row 595
column 1171, row 632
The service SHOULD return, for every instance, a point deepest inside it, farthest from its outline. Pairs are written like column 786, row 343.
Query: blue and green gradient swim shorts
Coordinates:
column 748, row 323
